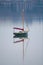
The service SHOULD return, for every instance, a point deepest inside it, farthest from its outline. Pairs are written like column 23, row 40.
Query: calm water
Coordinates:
column 12, row 54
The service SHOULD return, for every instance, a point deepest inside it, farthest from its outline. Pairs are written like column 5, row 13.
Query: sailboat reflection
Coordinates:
column 23, row 41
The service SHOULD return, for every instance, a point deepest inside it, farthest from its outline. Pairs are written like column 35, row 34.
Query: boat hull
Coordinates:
column 20, row 35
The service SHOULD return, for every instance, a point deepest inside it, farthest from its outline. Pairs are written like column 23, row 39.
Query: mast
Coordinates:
column 23, row 19
column 23, row 31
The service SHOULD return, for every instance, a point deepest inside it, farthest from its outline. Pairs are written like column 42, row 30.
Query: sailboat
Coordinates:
column 22, row 34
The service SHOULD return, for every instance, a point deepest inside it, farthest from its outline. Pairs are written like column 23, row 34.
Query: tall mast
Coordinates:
column 23, row 31
column 23, row 18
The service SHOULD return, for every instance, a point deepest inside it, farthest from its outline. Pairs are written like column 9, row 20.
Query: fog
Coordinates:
column 12, row 54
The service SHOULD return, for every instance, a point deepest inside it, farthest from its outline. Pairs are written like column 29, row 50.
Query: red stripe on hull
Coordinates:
column 19, row 28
